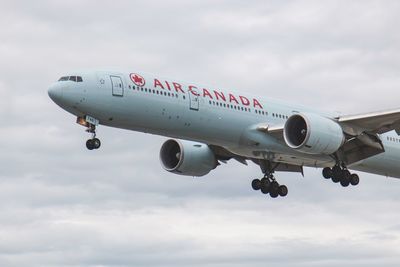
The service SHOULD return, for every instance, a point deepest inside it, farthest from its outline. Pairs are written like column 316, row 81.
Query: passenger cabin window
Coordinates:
column 71, row 78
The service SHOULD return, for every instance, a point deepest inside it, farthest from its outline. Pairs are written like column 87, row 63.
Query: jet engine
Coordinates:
column 187, row 158
column 313, row 134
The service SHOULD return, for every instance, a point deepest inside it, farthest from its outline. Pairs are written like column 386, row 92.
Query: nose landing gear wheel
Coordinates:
column 89, row 144
column 93, row 144
column 96, row 143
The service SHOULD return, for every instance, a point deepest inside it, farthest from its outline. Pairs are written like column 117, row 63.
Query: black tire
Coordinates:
column 345, row 182
column 265, row 190
column 96, row 143
column 346, row 174
column 336, row 171
column 336, row 178
column 274, row 193
column 274, row 186
column 274, row 189
column 256, row 184
column 265, row 182
column 283, row 190
column 345, row 179
column 327, row 173
column 265, row 185
column 354, row 179
column 90, row 144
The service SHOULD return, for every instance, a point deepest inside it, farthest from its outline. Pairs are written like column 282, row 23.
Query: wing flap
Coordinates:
column 376, row 122
column 361, row 147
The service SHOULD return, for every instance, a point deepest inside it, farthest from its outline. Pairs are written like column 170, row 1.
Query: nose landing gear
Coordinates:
column 93, row 143
column 90, row 124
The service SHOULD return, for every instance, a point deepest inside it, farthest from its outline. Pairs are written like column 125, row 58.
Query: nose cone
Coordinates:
column 56, row 93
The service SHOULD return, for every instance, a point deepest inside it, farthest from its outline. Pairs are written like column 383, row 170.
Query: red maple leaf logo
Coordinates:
column 137, row 79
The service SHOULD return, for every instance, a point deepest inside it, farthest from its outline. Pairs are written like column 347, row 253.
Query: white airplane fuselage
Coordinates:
column 151, row 104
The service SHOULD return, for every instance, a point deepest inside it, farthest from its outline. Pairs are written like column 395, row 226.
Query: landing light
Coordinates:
column 82, row 121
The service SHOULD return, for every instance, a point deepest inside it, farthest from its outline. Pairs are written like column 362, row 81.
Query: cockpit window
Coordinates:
column 71, row 78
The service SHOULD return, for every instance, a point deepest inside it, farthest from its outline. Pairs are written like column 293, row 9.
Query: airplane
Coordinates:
column 208, row 126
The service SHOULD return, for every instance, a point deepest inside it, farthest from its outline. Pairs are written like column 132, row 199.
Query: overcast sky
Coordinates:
column 61, row 205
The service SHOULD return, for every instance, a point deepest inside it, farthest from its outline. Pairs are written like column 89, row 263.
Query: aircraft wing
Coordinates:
column 365, row 130
column 362, row 132
column 374, row 123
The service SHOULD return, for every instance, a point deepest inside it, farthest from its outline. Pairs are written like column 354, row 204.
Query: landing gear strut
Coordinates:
column 340, row 174
column 268, row 184
column 93, row 143
column 90, row 124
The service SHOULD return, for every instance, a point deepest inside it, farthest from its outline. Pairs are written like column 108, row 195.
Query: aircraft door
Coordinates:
column 117, row 86
column 193, row 99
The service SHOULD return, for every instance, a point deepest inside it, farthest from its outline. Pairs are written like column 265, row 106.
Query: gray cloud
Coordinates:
column 61, row 205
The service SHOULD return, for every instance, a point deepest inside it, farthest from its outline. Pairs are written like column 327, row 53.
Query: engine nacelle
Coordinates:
column 313, row 134
column 187, row 158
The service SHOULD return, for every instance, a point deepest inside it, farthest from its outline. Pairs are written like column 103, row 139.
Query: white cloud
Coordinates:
column 61, row 205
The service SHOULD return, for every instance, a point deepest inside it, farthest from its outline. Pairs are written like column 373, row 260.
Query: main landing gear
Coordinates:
column 268, row 185
column 340, row 174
